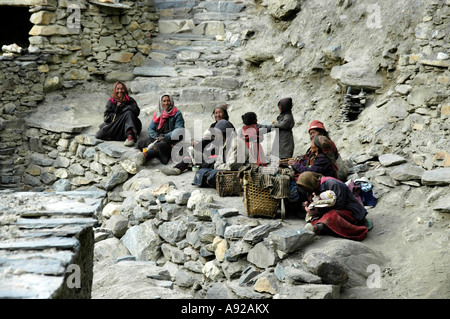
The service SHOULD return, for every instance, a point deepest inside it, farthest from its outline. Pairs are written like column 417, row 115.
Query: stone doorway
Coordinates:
column 15, row 25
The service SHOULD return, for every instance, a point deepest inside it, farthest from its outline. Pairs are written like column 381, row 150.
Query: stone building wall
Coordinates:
column 71, row 42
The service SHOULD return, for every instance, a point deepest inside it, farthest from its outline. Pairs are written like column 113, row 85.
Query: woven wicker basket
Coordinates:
column 228, row 183
column 258, row 201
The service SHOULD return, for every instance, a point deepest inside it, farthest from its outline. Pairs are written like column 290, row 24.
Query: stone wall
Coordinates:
column 71, row 42
column 21, row 88
column 91, row 38
column 63, row 161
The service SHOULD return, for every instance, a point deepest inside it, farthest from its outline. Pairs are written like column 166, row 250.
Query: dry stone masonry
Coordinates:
column 47, row 240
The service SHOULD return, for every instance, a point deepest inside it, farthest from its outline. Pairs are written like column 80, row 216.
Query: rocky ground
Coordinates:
column 412, row 244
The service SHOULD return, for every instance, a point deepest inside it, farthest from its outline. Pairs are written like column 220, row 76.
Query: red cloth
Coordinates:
column 341, row 222
column 252, row 138
column 164, row 116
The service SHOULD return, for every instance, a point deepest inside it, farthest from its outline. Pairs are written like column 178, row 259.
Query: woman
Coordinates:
column 219, row 113
column 316, row 128
column 283, row 145
column 231, row 154
column 320, row 158
column 347, row 218
column 165, row 130
column 121, row 120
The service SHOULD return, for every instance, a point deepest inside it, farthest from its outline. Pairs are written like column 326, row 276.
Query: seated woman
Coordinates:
column 231, row 155
column 165, row 130
column 346, row 218
column 320, row 159
column 252, row 134
column 121, row 120
column 317, row 128
column 219, row 113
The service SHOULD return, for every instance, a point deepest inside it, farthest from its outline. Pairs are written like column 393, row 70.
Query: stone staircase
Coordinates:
column 194, row 57
column 47, row 252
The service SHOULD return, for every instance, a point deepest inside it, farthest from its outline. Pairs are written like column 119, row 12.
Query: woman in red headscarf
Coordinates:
column 121, row 120
column 320, row 159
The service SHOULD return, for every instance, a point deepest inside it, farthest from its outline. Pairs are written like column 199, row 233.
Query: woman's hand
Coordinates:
column 310, row 211
column 291, row 162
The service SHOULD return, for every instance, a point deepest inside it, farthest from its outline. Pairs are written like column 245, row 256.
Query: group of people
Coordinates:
column 223, row 147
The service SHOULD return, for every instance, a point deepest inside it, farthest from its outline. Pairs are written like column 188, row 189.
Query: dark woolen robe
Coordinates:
column 118, row 120
column 321, row 165
column 346, row 217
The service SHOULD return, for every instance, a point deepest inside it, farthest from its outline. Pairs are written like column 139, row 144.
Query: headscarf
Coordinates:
column 310, row 181
column 285, row 104
column 324, row 144
column 314, row 125
column 114, row 98
column 160, row 116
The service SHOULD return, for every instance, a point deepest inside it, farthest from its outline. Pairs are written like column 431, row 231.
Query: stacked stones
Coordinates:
column 47, row 241
column 205, row 249
column 211, row 250
column 194, row 57
column 61, row 159
column 21, row 88
column 420, row 101
column 91, row 38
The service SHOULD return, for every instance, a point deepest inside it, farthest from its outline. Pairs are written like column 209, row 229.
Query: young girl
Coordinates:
column 251, row 134
column 283, row 145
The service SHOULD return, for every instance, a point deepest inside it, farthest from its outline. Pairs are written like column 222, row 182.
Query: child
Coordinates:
column 283, row 145
column 252, row 136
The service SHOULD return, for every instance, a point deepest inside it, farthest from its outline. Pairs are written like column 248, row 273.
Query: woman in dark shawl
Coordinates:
column 121, row 120
column 197, row 148
column 321, row 158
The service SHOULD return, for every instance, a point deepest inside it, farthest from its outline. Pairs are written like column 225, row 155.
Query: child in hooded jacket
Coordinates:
column 283, row 145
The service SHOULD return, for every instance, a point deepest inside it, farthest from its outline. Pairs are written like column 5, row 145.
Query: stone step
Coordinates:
column 222, row 6
column 215, row 16
column 177, row 4
column 35, row 253
column 184, row 37
column 31, row 223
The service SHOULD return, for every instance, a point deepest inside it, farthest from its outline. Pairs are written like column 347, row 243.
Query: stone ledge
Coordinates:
column 115, row 5
column 47, row 257
column 56, row 127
